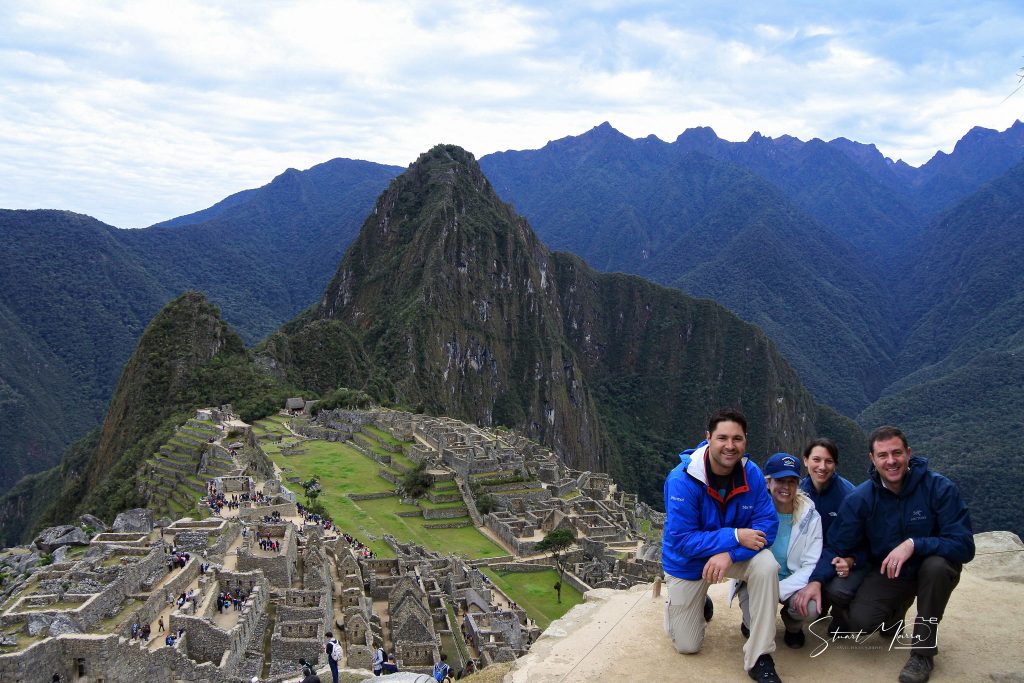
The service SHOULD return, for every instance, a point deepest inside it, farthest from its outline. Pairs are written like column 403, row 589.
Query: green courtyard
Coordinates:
column 535, row 592
column 343, row 470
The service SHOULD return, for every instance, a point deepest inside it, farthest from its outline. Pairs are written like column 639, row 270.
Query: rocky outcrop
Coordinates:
column 51, row 624
column 93, row 521
column 138, row 519
column 55, row 537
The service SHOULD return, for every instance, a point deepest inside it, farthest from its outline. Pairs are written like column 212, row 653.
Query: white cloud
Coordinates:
column 135, row 112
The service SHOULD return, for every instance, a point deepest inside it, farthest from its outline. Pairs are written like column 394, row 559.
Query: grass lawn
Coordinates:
column 382, row 435
column 442, row 506
column 402, row 460
column 275, row 424
column 535, row 592
column 343, row 470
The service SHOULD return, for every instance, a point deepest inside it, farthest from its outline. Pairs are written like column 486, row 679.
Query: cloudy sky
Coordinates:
column 141, row 111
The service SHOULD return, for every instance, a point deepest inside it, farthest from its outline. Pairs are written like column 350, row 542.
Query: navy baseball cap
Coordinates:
column 782, row 465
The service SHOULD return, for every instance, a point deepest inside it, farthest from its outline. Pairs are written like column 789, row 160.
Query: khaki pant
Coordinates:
column 790, row 617
column 684, row 611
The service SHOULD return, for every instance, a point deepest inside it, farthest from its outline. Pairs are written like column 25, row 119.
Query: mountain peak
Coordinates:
column 186, row 334
column 435, row 218
column 698, row 138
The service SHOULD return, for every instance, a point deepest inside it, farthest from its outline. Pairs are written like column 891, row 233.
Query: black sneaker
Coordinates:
column 794, row 639
column 764, row 670
column 917, row 669
column 709, row 608
column 744, row 630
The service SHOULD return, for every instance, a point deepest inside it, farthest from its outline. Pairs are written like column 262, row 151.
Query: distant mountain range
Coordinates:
column 892, row 290
column 447, row 302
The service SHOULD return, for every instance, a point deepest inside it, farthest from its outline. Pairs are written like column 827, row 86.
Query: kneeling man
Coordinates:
column 917, row 533
column 720, row 523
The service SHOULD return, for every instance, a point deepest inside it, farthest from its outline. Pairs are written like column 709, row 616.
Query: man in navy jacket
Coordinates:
column 915, row 531
column 720, row 523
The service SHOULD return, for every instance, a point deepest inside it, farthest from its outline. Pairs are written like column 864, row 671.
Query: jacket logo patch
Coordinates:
column 677, row 499
column 918, row 516
column 746, row 507
column 833, row 514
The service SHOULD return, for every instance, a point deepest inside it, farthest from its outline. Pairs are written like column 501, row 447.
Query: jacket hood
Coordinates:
column 693, row 462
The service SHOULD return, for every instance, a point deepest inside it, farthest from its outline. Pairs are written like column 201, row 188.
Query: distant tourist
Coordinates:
column 917, row 534
column 442, row 672
column 333, row 649
column 378, row 661
column 389, row 666
column 720, row 523
column 308, row 675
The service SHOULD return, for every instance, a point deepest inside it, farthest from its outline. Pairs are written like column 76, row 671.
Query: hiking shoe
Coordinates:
column 764, row 670
column 709, row 608
column 917, row 669
column 744, row 630
column 794, row 639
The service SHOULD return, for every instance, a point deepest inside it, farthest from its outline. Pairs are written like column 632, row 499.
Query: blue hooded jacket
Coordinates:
column 928, row 509
column 698, row 524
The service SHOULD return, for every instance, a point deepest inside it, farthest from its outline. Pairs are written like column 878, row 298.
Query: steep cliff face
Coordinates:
column 454, row 298
column 462, row 311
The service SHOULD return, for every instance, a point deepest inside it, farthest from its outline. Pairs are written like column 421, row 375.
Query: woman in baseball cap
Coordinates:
column 797, row 544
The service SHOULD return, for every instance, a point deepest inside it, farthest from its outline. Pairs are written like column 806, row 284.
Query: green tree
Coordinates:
column 312, row 489
column 556, row 543
column 416, row 482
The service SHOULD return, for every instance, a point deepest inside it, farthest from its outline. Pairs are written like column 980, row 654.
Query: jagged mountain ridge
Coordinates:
column 466, row 313
column 712, row 229
column 236, row 276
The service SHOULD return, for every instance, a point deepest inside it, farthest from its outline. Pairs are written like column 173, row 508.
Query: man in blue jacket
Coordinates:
column 720, row 523
column 915, row 531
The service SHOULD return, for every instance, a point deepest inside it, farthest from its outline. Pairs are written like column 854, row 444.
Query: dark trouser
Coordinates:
column 334, row 667
column 881, row 602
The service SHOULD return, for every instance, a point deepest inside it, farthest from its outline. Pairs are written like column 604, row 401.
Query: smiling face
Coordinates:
column 892, row 459
column 820, row 465
column 783, row 492
column 726, row 446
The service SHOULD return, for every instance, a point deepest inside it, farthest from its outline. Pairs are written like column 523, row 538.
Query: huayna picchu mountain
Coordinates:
column 187, row 356
column 448, row 303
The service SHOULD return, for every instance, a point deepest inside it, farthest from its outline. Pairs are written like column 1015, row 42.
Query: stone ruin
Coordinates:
column 74, row 617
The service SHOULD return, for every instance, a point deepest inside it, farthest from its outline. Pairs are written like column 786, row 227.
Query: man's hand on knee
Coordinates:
column 716, row 566
column 894, row 561
column 805, row 595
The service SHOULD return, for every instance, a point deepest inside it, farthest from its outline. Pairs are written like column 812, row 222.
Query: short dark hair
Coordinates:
column 444, row 657
column 884, row 433
column 727, row 415
column 826, row 443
